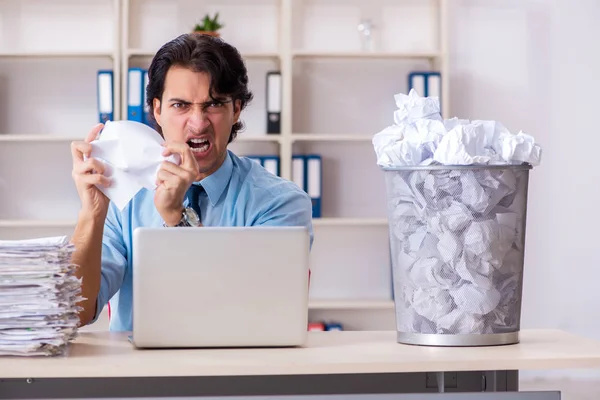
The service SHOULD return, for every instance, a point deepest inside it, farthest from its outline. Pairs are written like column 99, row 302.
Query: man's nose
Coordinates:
column 197, row 118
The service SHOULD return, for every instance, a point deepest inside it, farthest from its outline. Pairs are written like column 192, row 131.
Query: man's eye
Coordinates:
column 178, row 105
column 215, row 104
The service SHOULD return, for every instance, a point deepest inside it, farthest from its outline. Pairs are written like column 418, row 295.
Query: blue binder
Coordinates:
column 105, row 93
column 334, row 326
column 425, row 83
column 314, row 184
column 256, row 159
column 270, row 163
column 135, row 94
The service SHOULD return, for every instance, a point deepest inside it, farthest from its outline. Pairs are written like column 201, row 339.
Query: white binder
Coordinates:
column 298, row 174
column 433, row 85
column 105, row 95
column 418, row 83
column 271, row 165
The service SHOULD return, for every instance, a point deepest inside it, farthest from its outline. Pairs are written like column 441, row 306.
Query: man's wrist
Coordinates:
column 173, row 218
column 91, row 217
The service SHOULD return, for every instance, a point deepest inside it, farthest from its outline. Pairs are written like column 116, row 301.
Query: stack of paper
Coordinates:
column 39, row 293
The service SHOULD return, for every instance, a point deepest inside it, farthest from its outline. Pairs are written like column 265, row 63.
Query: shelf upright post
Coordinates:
column 285, row 54
column 444, row 52
column 124, row 39
column 116, row 59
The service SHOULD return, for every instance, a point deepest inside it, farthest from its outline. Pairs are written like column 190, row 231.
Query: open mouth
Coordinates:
column 199, row 146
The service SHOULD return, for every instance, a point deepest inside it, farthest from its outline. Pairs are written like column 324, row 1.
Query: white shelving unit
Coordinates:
column 363, row 55
column 335, row 98
column 56, row 54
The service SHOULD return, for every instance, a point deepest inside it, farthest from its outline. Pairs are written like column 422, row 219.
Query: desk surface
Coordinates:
column 106, row 354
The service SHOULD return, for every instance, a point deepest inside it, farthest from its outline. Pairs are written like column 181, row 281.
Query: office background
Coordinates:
column 530, row 64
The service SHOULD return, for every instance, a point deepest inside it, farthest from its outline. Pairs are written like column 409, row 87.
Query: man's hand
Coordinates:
column 87, row 174
column 173, row 181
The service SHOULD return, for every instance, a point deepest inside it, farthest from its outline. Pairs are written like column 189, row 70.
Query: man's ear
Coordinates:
column 156, row 110
column 237, row 109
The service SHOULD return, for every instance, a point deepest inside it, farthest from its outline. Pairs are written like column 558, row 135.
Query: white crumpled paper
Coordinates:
column 456, row 232
column 132, row 154
column 419, row 136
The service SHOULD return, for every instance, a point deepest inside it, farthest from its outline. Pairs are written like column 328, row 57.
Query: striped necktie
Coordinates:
column 192, row 196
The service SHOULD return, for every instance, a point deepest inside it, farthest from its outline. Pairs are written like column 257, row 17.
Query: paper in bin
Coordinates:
column 462, row 251
column 459, row 233
column 419, row 136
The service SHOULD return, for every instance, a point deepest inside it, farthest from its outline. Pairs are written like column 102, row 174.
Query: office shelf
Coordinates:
column 16, row 137
column 249, row 55
column 33, row 223
column 316, row 222
column 331, row 137
column 365, row 55
column 350, row 222
column 39, row 138
column 57, row 54
column 242, row 137
column 350, row 304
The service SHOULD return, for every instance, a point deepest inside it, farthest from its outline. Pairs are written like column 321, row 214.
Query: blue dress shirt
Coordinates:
column 239, row 193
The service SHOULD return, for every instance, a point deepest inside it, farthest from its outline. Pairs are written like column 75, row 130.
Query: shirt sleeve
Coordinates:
column 289, row 208
column 114, row 260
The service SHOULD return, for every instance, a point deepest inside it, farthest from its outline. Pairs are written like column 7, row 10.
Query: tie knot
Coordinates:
column 197, row 189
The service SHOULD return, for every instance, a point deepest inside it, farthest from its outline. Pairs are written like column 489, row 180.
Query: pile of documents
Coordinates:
column 39, row 293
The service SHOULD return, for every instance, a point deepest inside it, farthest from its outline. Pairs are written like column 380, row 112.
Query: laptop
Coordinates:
column 220, row 287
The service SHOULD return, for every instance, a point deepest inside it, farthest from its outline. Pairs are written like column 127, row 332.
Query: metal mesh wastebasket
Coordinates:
column 457, row 238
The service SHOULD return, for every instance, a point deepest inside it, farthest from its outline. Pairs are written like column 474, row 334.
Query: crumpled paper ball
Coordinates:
column 132, row 154
column 419, row 136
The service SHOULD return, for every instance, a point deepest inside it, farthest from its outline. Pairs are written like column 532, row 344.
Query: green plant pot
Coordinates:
column 209, row 33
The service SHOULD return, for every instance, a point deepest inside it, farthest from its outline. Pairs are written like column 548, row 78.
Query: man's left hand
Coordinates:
column 173, row 181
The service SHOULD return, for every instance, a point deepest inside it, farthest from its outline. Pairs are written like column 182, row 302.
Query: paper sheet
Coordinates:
column 132, row 154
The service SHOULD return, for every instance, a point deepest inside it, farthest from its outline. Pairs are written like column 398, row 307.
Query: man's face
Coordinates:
column 187, row 114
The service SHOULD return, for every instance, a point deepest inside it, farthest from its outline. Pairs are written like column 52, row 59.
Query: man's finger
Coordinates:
column 91, row 164
column 174, row 148
column 184, row 174
column 79, row 149
column 187, row 157
column 167, row 179
column 95, row 179
column 93, row 134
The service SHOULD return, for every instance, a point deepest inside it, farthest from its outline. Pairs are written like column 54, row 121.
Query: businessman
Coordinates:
column 198, row 87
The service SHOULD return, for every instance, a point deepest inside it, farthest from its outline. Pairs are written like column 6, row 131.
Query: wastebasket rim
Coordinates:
column 458, row 167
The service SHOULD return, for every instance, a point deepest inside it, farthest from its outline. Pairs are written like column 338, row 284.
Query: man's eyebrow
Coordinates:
column 217, row 100
column 176, row 100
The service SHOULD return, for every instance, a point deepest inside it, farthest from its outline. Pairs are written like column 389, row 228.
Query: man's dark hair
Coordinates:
column 202, row 53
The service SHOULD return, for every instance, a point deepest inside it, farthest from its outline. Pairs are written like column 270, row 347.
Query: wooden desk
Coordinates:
column 331, row 362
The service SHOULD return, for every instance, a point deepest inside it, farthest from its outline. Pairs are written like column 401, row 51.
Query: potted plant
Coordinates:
column 209, row 26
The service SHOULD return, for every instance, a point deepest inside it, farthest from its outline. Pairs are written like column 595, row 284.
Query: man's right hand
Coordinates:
column 89, row 173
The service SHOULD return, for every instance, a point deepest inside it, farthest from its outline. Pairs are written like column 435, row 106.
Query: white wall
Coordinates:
column 533, row 64
column 527, row 63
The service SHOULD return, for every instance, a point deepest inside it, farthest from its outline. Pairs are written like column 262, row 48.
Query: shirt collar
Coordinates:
column 215, row 184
